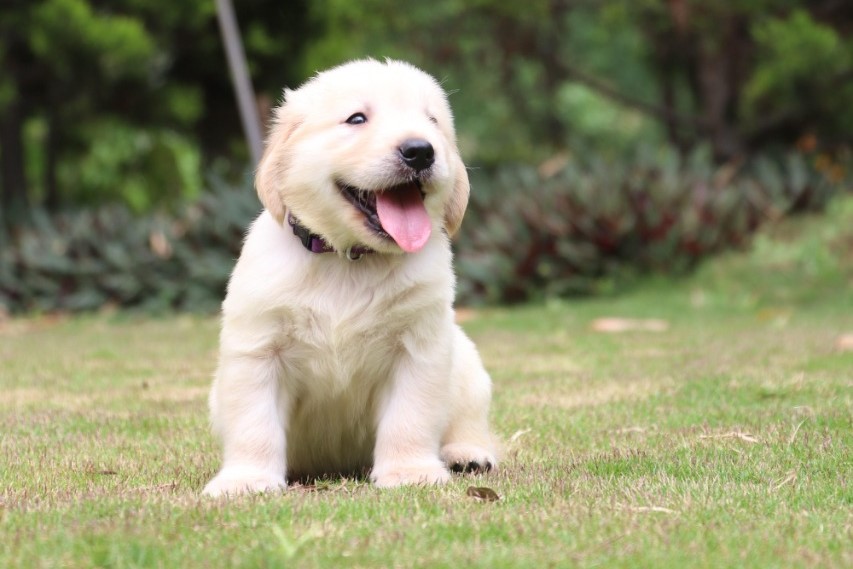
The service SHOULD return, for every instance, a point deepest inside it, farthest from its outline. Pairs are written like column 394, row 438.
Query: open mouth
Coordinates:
column 396, row 213
column 365, row 202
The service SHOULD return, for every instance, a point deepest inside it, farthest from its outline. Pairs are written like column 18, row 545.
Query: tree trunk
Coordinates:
column 674, row 128
column 13, row 201
column 715, row 101
column 51, row 147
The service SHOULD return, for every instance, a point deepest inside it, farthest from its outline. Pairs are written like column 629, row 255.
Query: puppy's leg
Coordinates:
column 248, row 411
column 467, row 444
column 411, row 423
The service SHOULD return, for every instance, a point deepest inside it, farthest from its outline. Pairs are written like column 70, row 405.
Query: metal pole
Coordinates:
column 240, row 77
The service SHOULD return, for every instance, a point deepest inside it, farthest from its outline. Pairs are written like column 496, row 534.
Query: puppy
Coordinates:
column 339, row 353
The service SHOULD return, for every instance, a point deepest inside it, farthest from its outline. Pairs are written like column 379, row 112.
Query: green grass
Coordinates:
column 724, row 441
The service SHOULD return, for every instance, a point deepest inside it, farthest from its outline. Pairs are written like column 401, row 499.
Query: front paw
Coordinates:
column 425, row 472
column 464, row 457
column 233, row 481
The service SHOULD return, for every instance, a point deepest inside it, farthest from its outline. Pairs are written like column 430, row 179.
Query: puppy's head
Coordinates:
column 365, row 154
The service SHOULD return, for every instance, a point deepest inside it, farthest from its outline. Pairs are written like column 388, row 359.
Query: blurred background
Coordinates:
column 607, row 139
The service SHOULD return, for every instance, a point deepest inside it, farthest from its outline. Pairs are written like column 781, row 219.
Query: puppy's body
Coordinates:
column 335, row 366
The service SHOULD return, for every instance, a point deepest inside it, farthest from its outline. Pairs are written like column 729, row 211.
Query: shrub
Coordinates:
column 588, row 227
column 106, row 256
column 579, row 229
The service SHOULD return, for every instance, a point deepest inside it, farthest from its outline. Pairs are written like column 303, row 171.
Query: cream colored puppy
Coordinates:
column 339, row 353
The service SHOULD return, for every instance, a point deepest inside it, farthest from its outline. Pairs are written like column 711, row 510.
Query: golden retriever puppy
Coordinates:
column 339, row 353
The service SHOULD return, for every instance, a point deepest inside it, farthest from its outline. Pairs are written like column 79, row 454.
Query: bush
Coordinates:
column 107, row 256
column 578, row 229
column 148, row 167
column 587, row 228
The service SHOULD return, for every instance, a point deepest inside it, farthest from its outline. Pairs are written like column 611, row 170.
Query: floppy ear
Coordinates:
column 271, row 171
column 458, row 202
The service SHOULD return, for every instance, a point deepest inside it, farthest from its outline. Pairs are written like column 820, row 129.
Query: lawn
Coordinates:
column 719, row 437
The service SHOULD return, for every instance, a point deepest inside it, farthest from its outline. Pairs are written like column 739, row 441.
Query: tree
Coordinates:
column 62, row 61
column 107, row 99
column 732, row 75
column 750, row 72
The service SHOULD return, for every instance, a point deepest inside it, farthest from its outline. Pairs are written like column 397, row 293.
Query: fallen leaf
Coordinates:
column 552, row 166
column 483, row 494
column 465, row 314
column 844, row 343
column 160, row 245
column 616, row 325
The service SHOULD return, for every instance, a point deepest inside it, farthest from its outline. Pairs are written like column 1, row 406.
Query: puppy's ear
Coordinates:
column 458, row 202
column 272, row 169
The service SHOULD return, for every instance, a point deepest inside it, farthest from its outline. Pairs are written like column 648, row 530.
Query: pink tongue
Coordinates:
column 404, row 217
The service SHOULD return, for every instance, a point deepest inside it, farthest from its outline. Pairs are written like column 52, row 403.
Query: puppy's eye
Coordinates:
column 433, row 119
column 357, row 118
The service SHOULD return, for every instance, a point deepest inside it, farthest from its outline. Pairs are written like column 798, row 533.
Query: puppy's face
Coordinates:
column 365, row 154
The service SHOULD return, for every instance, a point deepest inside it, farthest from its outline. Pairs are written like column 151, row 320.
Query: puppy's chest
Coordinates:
column 336, row 348
column 331, row 334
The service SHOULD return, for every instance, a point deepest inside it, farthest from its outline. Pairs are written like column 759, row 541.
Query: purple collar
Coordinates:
column 316, row 244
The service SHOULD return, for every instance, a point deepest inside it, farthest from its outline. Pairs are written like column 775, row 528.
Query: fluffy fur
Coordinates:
column 332, row 366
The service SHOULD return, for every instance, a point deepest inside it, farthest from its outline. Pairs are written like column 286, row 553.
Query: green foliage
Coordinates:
column 185, row 103
column 540, row 77
column 106, row 256
column 793, row 48
column 600, row 126
column 69, row 33
column 802, row 60
column 529, row 80
column 7, row 88
column 802, row 260
column 122, row 102
column 154, row 71
column 502, row 64
column 591, row 227
column 144, row 168
column 586, row 228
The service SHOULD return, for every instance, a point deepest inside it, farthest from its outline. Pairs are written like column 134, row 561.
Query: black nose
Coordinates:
column 417, row 153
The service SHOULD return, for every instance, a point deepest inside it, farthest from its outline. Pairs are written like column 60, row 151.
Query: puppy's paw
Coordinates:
column 401, row 473
column 233, row 481
column 464, row 457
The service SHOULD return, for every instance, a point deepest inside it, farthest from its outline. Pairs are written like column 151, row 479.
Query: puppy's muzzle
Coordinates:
column 417, row 154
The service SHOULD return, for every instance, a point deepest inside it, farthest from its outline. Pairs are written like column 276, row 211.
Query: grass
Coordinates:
column 724, row 440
